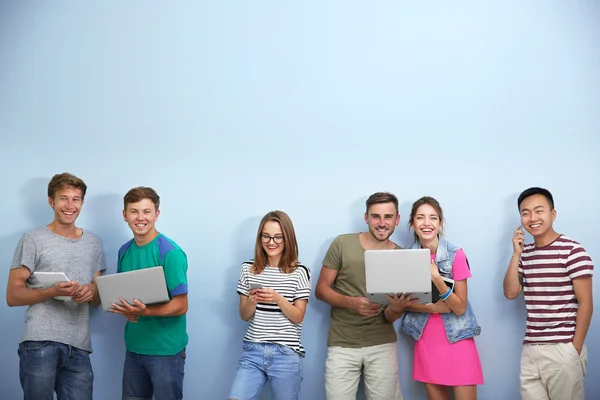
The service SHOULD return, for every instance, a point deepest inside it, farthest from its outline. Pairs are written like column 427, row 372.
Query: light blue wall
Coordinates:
column 232, row 109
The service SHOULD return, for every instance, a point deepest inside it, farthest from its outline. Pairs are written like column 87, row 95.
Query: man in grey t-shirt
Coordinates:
column 55, row 344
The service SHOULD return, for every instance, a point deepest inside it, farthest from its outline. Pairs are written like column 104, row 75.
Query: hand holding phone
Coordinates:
column 253, row 291
column 518, row 241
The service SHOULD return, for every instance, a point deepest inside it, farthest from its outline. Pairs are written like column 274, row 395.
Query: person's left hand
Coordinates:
column 84, row 294
column 398, row 304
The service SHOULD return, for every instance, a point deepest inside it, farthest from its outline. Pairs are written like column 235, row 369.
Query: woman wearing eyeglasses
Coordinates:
column 274, row 289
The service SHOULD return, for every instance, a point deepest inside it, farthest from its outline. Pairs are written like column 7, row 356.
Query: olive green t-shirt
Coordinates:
column 348, row 328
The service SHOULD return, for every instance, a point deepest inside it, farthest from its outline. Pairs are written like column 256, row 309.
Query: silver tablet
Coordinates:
column 46, row 280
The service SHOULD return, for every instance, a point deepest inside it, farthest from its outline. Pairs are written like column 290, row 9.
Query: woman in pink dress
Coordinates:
column 445, row 352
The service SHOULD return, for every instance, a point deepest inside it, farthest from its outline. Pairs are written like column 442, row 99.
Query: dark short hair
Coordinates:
column 140, row 193
column 65, row 180
column 532, row 191
column 381, row 197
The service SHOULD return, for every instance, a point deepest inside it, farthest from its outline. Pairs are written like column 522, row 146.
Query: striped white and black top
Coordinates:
column 269, row 324
column 548, row 274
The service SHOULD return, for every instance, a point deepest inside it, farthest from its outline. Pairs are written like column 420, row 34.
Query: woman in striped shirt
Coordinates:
column 274, row 288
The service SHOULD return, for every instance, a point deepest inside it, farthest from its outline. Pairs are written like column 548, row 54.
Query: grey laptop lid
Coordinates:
column 398, row 271
column 147, row 285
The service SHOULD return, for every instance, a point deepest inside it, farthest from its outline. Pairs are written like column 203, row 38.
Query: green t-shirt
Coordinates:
column 159, row 336
column 348, row 328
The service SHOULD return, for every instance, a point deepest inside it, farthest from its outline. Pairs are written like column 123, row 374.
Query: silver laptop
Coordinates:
column 398, row 271
column 148, row 285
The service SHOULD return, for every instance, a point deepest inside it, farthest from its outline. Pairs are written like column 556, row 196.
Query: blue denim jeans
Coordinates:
column 278, row 364
column 46, row 367
column 145, row 376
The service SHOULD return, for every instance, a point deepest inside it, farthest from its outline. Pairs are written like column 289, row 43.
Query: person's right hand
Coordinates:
column 518, row 241
column 132, row 318
column 252, row 295
column 364, row 307
column 65, row 288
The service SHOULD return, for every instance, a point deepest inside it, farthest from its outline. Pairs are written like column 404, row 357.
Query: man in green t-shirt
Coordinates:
column 155, row 335
column 361, row 334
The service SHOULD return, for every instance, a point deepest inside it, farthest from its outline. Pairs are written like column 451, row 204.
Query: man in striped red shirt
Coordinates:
column 555, row 275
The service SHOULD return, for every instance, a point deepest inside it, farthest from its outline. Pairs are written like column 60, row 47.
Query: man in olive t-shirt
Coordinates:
column 361, row 334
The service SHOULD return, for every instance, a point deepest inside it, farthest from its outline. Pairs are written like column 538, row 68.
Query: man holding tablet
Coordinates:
column 361, row 334
column 55, row 344
column 155, row 335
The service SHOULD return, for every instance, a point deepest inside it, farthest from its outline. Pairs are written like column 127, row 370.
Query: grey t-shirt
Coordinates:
column 65, row 322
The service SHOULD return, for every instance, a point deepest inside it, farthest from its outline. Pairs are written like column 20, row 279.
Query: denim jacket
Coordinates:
column 458, row 327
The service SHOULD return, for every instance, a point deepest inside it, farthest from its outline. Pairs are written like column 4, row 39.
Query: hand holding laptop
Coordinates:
column 399, row 304
column 363, row 306
column 130, row 311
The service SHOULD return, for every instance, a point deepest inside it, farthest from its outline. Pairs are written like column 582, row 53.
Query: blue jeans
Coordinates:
column 46, row 367
column 145, row 376
column 278, row 364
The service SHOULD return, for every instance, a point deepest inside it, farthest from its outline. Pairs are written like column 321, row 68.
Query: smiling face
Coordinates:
column 273, row 242
column 141, row 217
column 537, row 215
column 66, row 203
column 426, row 223
column 382, row 219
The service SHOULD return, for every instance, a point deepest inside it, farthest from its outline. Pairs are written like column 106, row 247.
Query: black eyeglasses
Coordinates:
column 278, row 239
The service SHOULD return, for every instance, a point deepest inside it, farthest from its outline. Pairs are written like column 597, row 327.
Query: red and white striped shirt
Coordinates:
column 548, row 274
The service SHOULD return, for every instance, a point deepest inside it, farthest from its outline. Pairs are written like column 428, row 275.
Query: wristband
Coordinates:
column 446, row 295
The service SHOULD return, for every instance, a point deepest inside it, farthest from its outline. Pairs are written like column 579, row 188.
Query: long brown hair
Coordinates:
column 289, row 258
column 422, row 201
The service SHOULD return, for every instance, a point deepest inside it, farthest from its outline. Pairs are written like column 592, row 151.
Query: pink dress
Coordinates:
column 436, row 360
